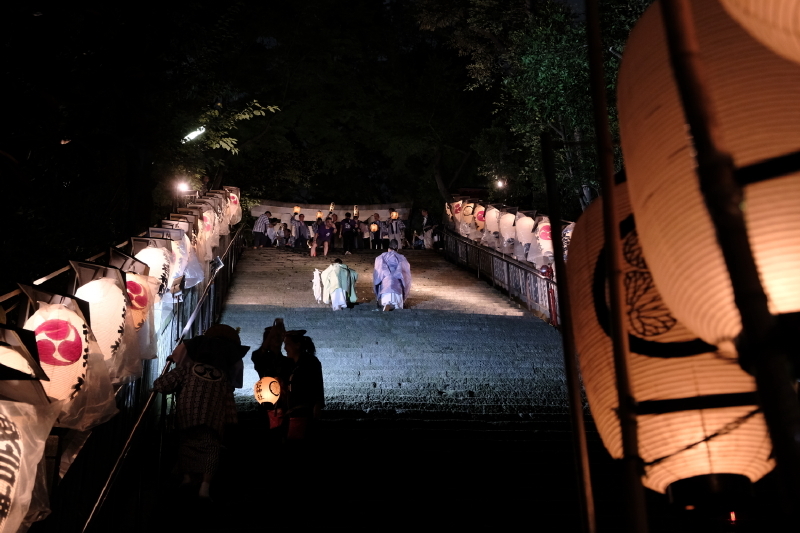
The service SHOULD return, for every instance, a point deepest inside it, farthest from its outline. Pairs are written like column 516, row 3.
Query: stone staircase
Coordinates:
column 460, row 350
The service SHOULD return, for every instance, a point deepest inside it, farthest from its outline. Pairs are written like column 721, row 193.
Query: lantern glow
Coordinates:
column 355, row 210
column 63, row 345
column 319, row 214
column 108, row 306
column 267, row 389
column 373, row 227
column 667, row 362
column 296, row 210
column 660, row 167
column 194, row 134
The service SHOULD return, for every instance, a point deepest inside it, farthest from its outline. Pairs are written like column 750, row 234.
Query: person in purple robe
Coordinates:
column 391, row 278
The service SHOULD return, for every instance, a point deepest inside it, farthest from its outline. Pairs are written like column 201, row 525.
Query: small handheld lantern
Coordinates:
column 267, row 390
column 319, row 214
column 332, row 206
column 373, row 227
column 394, row 214
column 355, row 210
column 296, row 210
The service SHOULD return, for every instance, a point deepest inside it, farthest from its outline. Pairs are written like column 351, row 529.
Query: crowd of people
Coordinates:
column 348, row 235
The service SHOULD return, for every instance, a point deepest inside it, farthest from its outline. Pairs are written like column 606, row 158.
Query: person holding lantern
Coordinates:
column 391, row 278
column 378, row 232
column 347, row 231
column 395, row 229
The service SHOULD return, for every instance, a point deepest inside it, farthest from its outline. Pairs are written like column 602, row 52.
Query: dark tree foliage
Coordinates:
column 99, row 95
column 534, row 52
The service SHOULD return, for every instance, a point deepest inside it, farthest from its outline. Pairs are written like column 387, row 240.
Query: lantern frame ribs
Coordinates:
column 721, row 186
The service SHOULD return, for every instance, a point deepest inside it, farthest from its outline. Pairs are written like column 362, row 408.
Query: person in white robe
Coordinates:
column 391, row 278
column 339, row 285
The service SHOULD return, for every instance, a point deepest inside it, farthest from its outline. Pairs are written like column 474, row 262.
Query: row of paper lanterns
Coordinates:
column 680, row 313
column 68, row 363
column 525, row 235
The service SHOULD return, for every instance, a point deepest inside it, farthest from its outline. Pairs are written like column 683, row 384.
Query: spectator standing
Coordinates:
column 205, row 404
column 306, row 388
column 379, row 234
column 299, row 231
column 429, row 224
column 260, row 238
column 348, row 234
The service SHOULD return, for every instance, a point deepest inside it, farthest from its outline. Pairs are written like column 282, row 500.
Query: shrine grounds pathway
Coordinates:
column 448, row 415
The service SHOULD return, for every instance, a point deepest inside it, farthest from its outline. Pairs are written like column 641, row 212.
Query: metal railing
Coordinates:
column 76, row 496
column 518, row 279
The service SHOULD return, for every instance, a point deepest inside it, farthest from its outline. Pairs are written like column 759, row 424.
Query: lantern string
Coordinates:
column 724, row 430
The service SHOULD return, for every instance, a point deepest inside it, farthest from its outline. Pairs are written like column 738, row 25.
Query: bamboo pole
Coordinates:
column 724, row 198
column 632, row 464
column 580, row 448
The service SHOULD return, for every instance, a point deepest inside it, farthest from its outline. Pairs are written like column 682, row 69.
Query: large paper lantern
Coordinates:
column 524, row 235
column 62, row 339
column 480, row 217
column 267, row 389
column 457, row 211
column 142, row 294
column 541, row 252
column 492, row 217
column 774, row 23
column 160, row 263
column 755, row 94
column 235, row 204
column 107, row 309
column 667, row 362
column 506, row 224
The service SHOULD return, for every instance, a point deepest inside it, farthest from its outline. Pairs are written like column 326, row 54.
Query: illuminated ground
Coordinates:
column 459, row 350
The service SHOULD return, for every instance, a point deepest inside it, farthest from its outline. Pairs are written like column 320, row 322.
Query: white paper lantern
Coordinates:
column 457, row 214
column 142, row 294
column 492, row 216
column 524, row 229
column 107, row 309
column 159, row 261
column 267, row 389
column 480, row 217
column 755, row 93
column 506, row 223
column 774, row 23
column 666, row 361
column 62, row 339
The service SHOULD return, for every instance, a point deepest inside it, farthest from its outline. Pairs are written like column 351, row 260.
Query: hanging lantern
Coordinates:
column 107, row 308
column 355, row 210
column 457, row 211
column 492, row 215
column 523, row 228
column 142, row 291
column 773, row 24
column 159, row 262
column 62, row 339
column 667, row 362
column 267, row 390
column 373, row 227
column 506, row 224
column 480, row 217
column 542, row 252
column 394, row 214
column 677, row 235
column 296, row 210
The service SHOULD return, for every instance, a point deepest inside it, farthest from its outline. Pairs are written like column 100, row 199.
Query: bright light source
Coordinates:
column 499, row 184
column 183, row 187
column 194, row 134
